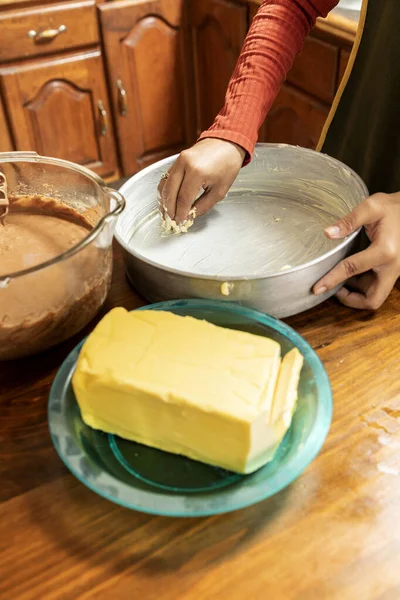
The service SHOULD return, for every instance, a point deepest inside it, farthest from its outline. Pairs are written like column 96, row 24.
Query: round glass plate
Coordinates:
column 156, row 482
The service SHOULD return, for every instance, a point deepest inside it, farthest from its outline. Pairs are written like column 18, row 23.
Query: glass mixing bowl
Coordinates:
column 46, row 302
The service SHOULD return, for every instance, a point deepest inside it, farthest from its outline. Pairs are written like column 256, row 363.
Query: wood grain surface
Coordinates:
column 147, row 52
column 334, row 534
column 47, row 97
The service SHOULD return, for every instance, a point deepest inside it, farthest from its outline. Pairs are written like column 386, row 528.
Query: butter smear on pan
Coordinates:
column 185, row 386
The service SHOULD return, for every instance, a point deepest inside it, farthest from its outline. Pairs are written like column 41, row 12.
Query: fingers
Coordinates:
column 361, row 283
column 169, row 188
column 347, row 268
column 182, row 189
column 179, row 189
column 208, row 200
column 366, row 213
column 210, row 166
column 377, row 289
column 190, row 189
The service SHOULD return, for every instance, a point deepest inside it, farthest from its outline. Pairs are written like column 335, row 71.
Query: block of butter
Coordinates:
column 185, row 386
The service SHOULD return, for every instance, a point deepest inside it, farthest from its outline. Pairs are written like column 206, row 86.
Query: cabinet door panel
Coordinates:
column 298, row 115
column 149, row 69
column 55, row 109
column 218, row 31
column 315, row 69
column 295, row 118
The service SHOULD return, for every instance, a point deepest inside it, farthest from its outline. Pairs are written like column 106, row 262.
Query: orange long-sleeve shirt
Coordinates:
column 276, row 35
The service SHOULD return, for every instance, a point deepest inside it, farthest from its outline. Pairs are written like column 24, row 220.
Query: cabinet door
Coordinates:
column 218, row 31
column 59, row 107
column 295, row 118
column 150, row 76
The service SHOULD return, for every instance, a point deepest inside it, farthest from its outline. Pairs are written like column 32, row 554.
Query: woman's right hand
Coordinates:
column 211, row 165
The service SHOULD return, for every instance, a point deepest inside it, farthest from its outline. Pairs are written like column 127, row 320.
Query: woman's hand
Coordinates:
column 373, row 272
column 211, row 165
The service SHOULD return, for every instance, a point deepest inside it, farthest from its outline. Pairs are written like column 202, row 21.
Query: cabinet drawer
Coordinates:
column 315, row 69
column 33, row 32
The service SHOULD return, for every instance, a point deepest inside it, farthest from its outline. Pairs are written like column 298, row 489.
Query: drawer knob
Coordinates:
column 46, row 35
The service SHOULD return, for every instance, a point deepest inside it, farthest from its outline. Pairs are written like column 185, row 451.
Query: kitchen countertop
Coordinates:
column 340, row 23
column 334, row 534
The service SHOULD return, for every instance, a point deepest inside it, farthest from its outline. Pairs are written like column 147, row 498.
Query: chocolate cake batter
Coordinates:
column 43, row 308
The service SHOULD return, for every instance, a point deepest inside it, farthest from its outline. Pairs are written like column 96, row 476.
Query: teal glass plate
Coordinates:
column 156, row 482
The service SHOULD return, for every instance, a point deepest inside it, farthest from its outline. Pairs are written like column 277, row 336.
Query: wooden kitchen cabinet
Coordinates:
column 59, row 107
column 299, row 112
column 315, row 69
column 40, row 30
column 150, row 76
column 218, row 29
column 295, row 118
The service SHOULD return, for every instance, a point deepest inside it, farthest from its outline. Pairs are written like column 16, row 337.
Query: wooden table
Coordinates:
column 334, row 534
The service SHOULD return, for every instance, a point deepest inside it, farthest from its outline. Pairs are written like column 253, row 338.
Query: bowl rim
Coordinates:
column 305, row 454
column 221, row 278
column 33, row 157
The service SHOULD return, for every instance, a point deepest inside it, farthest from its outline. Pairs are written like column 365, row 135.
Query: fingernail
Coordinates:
column 333, row 231
column 320, row 290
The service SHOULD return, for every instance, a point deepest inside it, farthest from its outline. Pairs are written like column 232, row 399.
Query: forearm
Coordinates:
column 275, row 37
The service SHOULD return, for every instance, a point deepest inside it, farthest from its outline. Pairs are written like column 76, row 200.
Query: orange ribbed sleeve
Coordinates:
column 276, row 35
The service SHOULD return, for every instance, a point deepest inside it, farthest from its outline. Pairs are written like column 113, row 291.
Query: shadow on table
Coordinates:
column 99, row 533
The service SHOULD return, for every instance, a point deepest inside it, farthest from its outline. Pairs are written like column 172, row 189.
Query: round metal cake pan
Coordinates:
column 263, row 246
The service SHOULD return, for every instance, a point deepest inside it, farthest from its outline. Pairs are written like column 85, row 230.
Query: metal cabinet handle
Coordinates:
column 103, row 118
column 122, row 98
column 47, row 35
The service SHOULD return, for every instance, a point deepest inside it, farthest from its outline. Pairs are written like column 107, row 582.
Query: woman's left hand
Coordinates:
column 372, row 273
